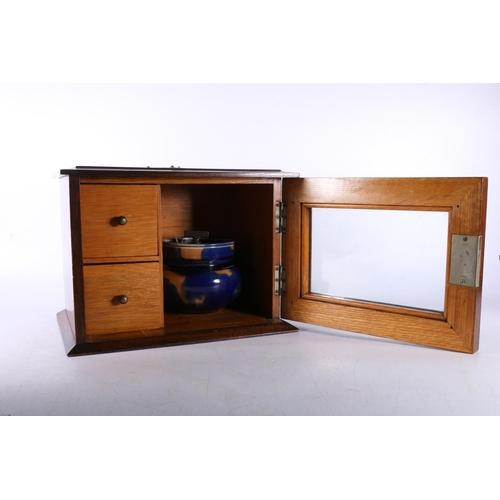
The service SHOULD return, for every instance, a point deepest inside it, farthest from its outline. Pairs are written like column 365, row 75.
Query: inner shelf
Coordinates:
column 194, row 328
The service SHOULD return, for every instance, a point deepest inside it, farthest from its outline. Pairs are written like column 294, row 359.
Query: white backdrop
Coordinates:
column 330, row 130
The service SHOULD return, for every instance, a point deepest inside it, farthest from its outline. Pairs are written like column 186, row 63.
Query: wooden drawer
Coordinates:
column 105, row 284
column 104, row 235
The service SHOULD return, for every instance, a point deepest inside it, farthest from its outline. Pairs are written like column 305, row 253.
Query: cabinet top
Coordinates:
column 173, row 172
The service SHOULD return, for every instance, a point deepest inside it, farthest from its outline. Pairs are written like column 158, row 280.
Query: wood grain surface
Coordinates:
column 140, row 283
column 102, row 236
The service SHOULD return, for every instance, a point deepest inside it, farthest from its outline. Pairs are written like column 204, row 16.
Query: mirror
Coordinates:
column 395, row 257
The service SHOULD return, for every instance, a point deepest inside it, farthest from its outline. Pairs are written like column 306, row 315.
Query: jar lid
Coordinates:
column 178, row 241
column 182, row 250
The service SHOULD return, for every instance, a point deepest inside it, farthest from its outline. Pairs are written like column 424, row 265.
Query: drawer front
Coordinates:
column 119, row 220
column 122, row 297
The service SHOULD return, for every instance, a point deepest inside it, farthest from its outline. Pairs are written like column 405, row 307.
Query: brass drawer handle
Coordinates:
column 118, row 221
column 120, row 299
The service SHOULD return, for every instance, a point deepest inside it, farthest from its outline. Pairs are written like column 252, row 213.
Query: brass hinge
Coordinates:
column 280, row 217
column 465, row 267
column 280, row 280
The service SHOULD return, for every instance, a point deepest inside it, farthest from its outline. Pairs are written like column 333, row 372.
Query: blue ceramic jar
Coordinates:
column 199, row 275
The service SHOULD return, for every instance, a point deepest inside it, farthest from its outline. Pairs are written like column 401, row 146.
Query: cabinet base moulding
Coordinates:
column 246, row 326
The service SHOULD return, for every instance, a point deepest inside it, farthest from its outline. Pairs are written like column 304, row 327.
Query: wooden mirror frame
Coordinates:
column 457, row 328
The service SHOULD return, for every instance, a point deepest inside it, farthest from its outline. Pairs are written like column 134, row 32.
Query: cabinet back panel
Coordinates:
column 176, row 209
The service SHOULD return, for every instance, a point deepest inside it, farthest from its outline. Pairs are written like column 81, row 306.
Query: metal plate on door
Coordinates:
column 465, row 260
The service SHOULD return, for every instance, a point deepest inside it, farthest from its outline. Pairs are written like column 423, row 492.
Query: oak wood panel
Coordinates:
column 141, row 283
column 102, row 204
column 463, row 198
column 409, row 192
column 402, row 327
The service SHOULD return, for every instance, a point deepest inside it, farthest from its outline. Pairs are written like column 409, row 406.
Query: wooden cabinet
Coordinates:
column 116, row 219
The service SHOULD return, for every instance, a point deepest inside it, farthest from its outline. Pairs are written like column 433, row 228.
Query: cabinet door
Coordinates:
column 358, row 222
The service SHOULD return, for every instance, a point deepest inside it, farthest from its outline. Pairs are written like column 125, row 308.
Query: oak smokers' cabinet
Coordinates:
column 116, row 218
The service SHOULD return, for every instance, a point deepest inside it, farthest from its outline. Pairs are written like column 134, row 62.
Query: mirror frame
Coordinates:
column 464, row 198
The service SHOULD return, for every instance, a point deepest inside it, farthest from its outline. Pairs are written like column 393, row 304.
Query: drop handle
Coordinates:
column 122, row 299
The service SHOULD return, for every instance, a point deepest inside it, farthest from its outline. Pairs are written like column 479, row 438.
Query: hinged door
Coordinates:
column 396, row 224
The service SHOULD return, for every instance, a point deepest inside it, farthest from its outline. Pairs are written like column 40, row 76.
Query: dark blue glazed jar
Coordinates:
column 199, row 274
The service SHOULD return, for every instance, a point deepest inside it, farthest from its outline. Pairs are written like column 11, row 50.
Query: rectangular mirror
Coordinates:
column 395, row 257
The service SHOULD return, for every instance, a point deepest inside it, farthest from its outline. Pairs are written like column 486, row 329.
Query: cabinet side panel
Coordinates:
column 252, row 217
column 67, row 260
column 77, row 258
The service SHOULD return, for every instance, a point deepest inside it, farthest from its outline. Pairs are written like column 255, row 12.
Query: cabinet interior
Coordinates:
column 240, row 212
